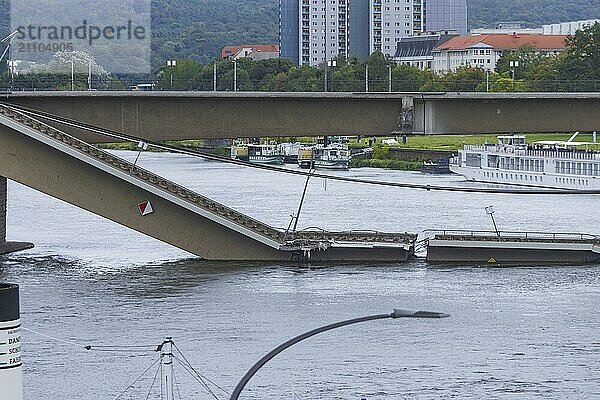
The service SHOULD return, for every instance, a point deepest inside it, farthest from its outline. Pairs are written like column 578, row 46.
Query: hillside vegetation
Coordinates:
column 532, row 13
column 198, row 29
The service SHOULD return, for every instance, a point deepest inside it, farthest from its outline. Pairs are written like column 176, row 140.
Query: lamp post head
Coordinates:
column 400, row 313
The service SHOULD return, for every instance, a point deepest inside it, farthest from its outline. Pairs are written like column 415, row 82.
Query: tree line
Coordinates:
column 575, row 69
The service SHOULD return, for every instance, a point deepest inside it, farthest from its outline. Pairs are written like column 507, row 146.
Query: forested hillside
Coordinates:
column 199, row 28
column 533, row 13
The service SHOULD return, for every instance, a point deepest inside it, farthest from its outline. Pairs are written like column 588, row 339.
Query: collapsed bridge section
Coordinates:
column 60, row 165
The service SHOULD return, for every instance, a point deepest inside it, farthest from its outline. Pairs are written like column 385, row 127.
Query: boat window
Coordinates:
column 473, row 160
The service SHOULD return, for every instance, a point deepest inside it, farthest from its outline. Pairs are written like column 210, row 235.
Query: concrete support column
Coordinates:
column 407, row 116
column 3, row 184
column 7, row 247
column 11, row 370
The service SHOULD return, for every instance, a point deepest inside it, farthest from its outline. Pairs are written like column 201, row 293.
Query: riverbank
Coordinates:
column 408, row 156
column 405, row 159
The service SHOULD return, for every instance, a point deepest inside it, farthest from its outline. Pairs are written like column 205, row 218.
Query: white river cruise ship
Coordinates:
column 550, row 164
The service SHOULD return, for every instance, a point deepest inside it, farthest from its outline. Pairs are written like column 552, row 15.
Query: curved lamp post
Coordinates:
column 396, row 314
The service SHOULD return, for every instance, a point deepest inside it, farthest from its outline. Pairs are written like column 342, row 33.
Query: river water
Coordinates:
column 519, row 332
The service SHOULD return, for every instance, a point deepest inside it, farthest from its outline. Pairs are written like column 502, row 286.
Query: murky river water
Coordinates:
column 529, row 332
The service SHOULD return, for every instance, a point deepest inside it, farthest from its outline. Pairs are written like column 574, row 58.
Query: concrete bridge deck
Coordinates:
column 49, row 160
column 160, row 116
column 512, row 247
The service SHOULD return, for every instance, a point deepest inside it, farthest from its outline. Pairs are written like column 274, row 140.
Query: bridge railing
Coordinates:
column 454, row 234
column 63, row 83
column 351, row 235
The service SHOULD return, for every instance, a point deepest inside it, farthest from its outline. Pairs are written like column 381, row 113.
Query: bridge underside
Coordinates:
column 160, row 116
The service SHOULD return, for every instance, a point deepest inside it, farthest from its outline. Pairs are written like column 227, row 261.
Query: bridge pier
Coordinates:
column 7, row 247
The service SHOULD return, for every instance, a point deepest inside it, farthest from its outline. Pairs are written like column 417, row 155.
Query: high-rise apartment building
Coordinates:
column 319, row 32
column 418, row 9
column 391, row 20
column 315, row 31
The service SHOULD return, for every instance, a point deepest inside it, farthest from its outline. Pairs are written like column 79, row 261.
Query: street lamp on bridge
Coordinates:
column 513, row 65
column 171, row 64
column 397, row 313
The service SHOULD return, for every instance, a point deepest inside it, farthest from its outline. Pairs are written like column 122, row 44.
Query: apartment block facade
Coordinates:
column 390, row 21
column 312, row 32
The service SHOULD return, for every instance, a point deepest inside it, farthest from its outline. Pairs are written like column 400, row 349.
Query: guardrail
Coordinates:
column 62, row 82
column 534, row 236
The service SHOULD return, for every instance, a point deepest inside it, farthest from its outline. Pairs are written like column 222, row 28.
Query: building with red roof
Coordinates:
column 253, row 51
column 484, row 50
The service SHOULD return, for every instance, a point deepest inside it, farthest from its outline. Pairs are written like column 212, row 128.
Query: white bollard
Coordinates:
column 11, row 370
column 167, row 369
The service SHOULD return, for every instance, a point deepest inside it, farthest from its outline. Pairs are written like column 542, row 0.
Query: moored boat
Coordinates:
column 264, row 154
column 257, row 153
column 332, row 156
column 551, row 164
column 439, row 166
column 239, row 152
column 289, row 151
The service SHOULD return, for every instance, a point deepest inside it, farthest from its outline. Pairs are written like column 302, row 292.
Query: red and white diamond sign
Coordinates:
column 145, row 208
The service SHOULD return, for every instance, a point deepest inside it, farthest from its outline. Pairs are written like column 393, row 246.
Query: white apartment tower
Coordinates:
column 324, row 30
column 390, row 20
column 312, row 32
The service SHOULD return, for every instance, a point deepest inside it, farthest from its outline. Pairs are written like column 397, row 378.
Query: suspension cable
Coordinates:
column 177, row 385
column 153, row 380
column 117, row 348
column 193, row 369
column 138, row 378
column 198, row 378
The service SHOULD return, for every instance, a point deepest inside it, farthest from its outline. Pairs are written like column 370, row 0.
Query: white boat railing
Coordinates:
column 472, row 234
column 556, row 153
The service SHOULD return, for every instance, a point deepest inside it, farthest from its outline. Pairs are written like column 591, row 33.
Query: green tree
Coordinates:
column 582, row 56
column 527, row 57
column 378, row 65
column 407, row 78
column 464, row 79
column 185, row 75
column 348, row 75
